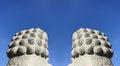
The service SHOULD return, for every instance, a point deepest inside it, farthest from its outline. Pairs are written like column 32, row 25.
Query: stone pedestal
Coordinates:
column 91, row 60
column 28, row 60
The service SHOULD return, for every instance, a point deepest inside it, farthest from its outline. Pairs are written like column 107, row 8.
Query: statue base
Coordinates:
column 91, row 60
column 28, row 60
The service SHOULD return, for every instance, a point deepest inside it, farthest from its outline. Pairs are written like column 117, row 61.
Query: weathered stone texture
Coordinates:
column 90, row 48
column 29, row 48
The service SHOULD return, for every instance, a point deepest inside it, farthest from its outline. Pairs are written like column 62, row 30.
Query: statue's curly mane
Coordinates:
column 32, row 41
column 87, row 41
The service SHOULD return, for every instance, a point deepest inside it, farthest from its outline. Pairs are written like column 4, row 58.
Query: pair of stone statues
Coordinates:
column 30, row 48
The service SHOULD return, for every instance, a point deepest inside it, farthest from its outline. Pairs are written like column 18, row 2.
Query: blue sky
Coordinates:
column 59, row 18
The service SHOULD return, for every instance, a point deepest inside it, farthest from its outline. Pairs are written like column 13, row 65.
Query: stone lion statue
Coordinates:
column 29, row 48
column 90, row 48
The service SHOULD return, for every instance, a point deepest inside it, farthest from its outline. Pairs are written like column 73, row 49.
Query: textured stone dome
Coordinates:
column 32, row 41
column 87, row 41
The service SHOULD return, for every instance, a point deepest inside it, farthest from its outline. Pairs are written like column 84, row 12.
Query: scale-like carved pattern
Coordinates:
column 32, row 41
column 87, row 41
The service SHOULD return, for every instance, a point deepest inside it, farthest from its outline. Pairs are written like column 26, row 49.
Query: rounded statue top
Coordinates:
column 32, row 41
column 88, row 41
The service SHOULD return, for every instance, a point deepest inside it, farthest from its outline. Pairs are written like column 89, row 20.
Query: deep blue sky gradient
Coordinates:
column 59, row 18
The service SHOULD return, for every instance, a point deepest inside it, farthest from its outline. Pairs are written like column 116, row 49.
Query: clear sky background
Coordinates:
column 59, row 18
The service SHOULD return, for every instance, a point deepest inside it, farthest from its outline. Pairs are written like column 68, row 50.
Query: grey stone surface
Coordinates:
column 29, row 48
column 90, row 48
